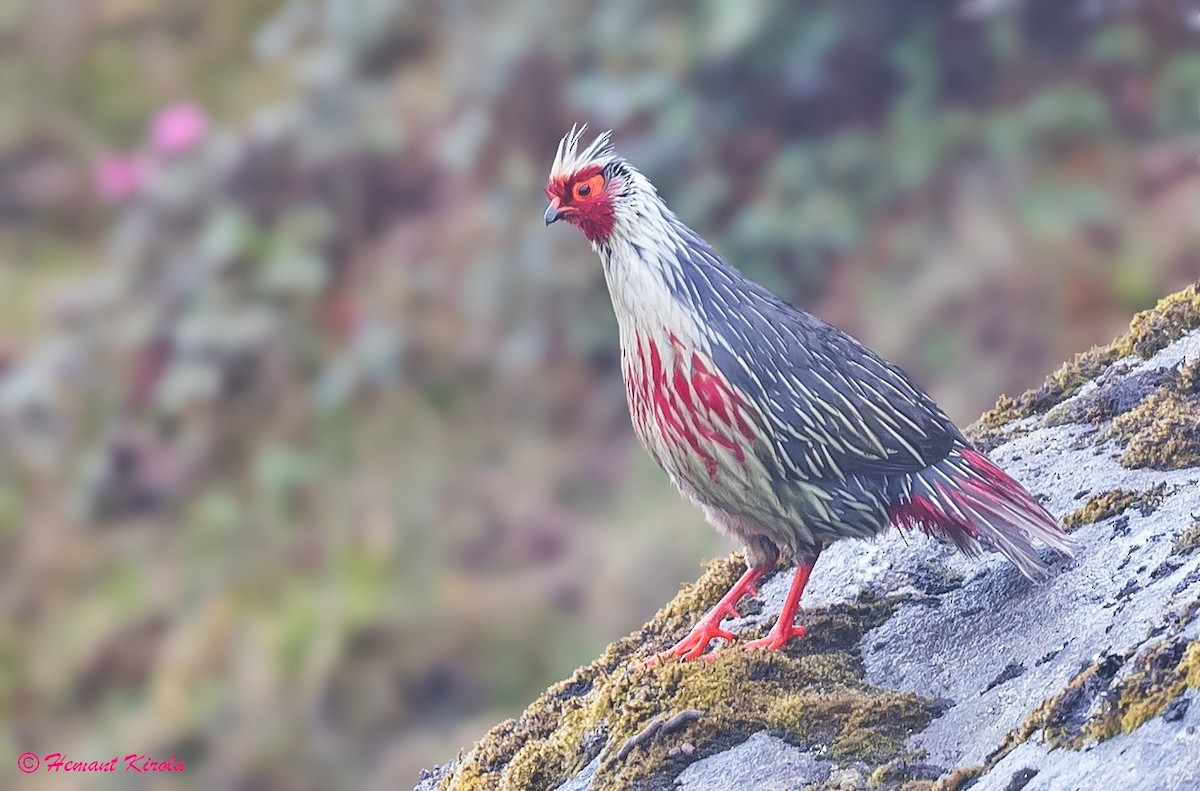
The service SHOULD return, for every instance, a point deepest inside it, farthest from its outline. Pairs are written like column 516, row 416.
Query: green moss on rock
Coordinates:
column 1188, row 378
column 1096, row 705
column 1159, row 677
column 812, row 694
column 1188, row 541
column 1153, row 330
column 1163, row 432
column 1149, row 332
column 959, row 779
column 1109, row 504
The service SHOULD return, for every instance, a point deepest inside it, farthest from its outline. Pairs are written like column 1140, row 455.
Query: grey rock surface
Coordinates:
column 976, row 635
column 1159, row 756
column 583, row 780
column 430, row 780
column 761, row 763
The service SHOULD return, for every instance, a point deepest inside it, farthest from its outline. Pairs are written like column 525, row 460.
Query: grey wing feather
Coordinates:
column 833, row 407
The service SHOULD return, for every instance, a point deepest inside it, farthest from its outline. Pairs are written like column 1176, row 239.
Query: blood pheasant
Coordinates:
column 785, row 431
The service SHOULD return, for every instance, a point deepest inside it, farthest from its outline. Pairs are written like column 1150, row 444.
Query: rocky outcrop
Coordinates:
column 924, row 669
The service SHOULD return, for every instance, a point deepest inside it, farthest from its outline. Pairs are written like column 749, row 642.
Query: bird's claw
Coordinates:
column 695, row 644
column 777, row 638
column 709, row 628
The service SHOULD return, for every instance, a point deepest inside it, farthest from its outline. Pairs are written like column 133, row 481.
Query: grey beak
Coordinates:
column 553, row 213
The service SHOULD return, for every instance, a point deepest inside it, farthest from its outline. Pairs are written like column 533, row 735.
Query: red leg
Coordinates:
column 709, row 627
column 785, row 628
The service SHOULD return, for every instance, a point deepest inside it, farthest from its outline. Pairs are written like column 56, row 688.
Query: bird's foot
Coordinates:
column 777, row 638
column 697, row 641
column 785, row 628
column 709, row 628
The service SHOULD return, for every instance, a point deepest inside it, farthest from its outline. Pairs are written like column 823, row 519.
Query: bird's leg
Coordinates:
column 785, row 628
column 709, row 627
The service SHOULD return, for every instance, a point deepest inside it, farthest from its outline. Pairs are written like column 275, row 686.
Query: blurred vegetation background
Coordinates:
column 314, row 458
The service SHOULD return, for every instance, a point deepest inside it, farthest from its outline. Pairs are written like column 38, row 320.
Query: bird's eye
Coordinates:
column 585, row 188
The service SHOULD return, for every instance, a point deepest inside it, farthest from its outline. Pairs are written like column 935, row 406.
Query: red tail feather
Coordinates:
column 969, row 500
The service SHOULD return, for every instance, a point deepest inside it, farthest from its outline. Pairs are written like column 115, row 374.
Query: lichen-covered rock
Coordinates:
column 923, row 669
column 1150, row 332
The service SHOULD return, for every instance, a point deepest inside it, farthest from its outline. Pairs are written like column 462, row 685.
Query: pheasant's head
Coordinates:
column 588, row 187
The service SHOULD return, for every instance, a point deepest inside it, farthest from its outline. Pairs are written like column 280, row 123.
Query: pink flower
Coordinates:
column 119, row 177
column 179, row 128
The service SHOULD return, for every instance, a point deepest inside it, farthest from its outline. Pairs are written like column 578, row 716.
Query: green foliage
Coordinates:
column 1177, row 94
column 1123, row 44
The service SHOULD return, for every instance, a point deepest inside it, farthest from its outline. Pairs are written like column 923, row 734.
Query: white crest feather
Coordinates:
column 569, row 159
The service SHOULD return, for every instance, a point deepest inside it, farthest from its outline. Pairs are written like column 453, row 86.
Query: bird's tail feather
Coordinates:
column 969, row 500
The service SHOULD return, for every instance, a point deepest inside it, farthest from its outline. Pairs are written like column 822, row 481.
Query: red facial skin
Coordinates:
column 591, row 213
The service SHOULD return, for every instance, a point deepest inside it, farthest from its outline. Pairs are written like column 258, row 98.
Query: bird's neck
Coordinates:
column 663, row 277
column 646, row 270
